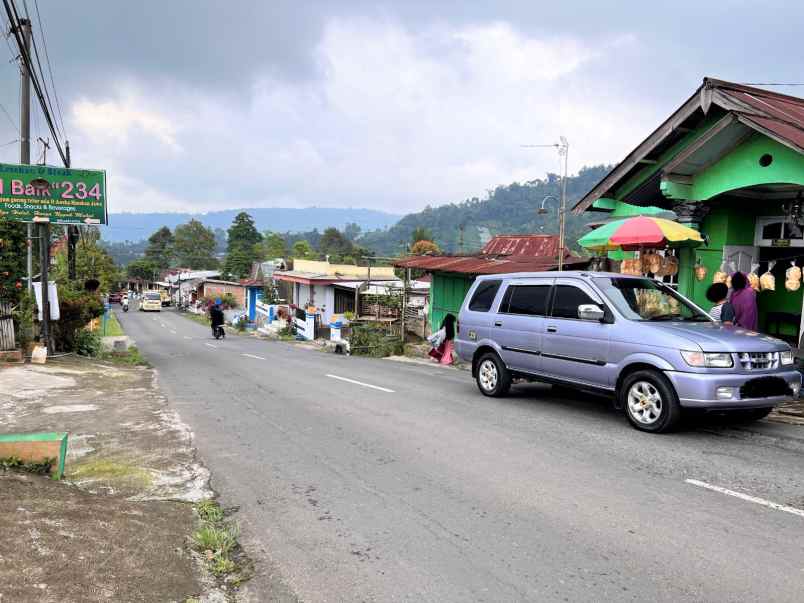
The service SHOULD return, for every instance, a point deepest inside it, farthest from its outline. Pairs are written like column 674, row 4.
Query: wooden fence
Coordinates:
column 6, row 328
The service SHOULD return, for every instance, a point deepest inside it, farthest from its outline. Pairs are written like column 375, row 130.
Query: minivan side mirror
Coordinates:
column 591, row 312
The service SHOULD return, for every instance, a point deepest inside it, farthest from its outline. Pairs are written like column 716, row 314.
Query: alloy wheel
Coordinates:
column 644, row 403
column 488, row 375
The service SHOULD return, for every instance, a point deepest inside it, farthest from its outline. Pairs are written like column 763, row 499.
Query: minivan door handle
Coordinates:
column 552, row 329
column 497, row 323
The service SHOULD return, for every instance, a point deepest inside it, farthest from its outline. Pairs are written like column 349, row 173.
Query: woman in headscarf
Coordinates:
column 443, row 353
column 744, row 301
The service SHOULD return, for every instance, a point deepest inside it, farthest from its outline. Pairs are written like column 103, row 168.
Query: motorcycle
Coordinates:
column 219, row 332
column 125, row 305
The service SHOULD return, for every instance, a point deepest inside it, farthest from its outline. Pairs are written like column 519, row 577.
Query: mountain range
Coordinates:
column 138, row 227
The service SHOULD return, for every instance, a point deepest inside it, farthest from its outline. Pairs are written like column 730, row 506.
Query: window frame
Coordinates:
column 505, row 301
column 591, row 293
column 493, row 299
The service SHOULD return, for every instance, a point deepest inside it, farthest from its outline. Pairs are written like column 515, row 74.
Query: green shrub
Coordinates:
column 369, row 339
column 77, row 308
column 87, row 343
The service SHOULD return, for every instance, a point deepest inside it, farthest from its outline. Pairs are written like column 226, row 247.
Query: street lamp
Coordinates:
column 563, row 151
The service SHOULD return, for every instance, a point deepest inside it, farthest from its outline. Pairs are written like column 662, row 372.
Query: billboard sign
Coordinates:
column 44, row 193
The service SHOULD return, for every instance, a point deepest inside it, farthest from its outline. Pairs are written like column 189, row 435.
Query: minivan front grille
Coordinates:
column 759, row 361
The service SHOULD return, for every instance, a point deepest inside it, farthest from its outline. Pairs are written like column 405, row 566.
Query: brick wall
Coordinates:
column 213, row 290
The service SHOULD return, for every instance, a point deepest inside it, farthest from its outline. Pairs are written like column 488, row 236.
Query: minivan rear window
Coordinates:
column 484, row 296
column 530, row 300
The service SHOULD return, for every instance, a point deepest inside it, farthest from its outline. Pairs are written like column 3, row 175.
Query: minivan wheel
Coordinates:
column 650, row 402
column 493, row 379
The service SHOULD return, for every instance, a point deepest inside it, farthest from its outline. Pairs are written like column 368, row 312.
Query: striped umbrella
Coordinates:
column 641, row 232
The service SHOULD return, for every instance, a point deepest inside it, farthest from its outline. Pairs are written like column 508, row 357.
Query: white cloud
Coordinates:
column 397, row 119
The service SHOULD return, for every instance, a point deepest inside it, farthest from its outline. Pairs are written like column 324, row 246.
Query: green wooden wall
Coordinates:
column 447, row 292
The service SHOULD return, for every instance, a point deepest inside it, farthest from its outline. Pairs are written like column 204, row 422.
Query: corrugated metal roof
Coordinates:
column 532, row 245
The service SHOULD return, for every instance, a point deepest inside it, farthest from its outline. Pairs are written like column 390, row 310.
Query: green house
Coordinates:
column 729, row 162
column 452, row 276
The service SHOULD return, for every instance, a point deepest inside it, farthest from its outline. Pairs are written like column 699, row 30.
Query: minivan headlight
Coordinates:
column 708, row 359
column 786, row 358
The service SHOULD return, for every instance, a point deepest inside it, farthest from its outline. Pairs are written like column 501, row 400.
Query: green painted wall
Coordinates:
column 741, row 168
column 447, row 292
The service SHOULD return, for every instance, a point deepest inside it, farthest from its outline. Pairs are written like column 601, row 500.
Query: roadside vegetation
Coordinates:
column 13, row 463
column 215, row 540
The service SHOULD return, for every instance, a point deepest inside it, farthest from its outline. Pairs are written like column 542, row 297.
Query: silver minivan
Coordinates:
column 632, row 338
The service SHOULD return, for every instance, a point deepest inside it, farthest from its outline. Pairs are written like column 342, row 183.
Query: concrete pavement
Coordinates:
column 361, row 479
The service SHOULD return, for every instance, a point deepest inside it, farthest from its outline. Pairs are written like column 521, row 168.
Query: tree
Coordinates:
column 242, row 234
column 242, row 246
column 421, row 233
column 352, row 230
column 302, row 249
column 274, row 246
column 91, row 262
column 160, row 248
column 143, row 268
column 425, row 248
column 334, row 243
column 194, row 246
column 12, row 261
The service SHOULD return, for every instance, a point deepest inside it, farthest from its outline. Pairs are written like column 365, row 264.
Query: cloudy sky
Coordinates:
column 198, row 105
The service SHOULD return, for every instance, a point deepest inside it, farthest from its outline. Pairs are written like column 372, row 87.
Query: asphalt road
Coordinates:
column 420, row 489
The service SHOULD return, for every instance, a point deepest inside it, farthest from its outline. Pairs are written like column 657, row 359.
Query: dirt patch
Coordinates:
column 61, row 543
column 118, row 526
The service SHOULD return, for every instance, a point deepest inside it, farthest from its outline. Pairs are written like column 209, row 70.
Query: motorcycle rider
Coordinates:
column 124, row 301
column 216, row 317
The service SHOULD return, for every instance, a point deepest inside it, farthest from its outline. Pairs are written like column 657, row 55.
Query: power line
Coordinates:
column 771, row 84
column 10, row 120
column 49, row 66
column 13, row 17
column 39, row 63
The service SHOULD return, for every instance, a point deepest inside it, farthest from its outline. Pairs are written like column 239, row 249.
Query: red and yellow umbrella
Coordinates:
column 641, row 232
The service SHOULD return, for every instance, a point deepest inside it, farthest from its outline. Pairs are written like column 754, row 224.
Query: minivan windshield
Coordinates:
column 645, row 299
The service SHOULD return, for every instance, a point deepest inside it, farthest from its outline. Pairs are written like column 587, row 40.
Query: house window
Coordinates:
column 344, row 301
column 771, row 230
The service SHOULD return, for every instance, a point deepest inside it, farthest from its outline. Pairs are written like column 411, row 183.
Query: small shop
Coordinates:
column 730, row 164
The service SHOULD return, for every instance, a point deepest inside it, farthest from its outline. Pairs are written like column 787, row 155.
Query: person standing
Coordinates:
column 722, row 311
column 744, row 300
column 443, row 353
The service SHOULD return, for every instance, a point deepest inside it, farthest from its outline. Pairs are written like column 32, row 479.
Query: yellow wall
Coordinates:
column 318, row 267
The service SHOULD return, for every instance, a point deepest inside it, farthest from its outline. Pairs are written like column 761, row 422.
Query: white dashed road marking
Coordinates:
column 209, row 345
column 747, row 497
column 382, row 389
column 253, row 356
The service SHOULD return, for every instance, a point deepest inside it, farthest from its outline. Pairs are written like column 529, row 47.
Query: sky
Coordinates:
column 201, row 105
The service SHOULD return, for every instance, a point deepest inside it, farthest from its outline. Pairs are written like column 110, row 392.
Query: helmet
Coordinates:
column 218, row 301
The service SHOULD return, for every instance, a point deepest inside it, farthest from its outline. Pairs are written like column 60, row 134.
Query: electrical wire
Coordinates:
column 10, row 119
column 49, row 66
column 39, row 63
column 13, row 17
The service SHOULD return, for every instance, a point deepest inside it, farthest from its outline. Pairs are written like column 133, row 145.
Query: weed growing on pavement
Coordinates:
column 216, row 540
column 17, row 464
column 131, row 357
column 108, row 470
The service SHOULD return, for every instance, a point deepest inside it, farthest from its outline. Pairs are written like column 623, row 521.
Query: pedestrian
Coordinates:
column 442, row 352
column 744, row 300
column 722, row 311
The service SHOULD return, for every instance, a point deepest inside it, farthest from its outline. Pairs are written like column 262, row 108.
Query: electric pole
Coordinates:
column 25, row 132
column 563, row 150
column 72, row 230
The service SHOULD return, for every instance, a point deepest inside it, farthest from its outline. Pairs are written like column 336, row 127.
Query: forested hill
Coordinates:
column 508, row 209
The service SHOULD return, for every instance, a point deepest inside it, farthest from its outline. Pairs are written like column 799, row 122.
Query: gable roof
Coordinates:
column 746, row 108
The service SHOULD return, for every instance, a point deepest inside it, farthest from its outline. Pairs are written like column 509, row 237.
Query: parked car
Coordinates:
column 633, row 338
column 151, row 300
column 115, row 298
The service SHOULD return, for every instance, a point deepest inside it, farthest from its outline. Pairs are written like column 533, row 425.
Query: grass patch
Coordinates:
column 131, row 357
column 113, row 328
column 108, row 470
column 201, row 319
column 216, row 540
column 17, row 464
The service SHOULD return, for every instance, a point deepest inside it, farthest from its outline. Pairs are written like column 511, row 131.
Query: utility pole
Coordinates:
column 563, row 150
column 72, row 230
column 25, row 133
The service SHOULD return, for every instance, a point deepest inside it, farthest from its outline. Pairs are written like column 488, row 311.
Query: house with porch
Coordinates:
column 330, row 288
column 730, row 163
column 453, row 275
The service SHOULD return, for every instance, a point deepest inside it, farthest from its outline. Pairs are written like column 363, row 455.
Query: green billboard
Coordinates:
column 43, row 193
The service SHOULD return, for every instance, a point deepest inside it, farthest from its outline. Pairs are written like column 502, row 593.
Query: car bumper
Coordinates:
column 697, row 390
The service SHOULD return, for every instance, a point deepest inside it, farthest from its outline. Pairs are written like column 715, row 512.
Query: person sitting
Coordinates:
column 216, row 316
column 722, row 311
